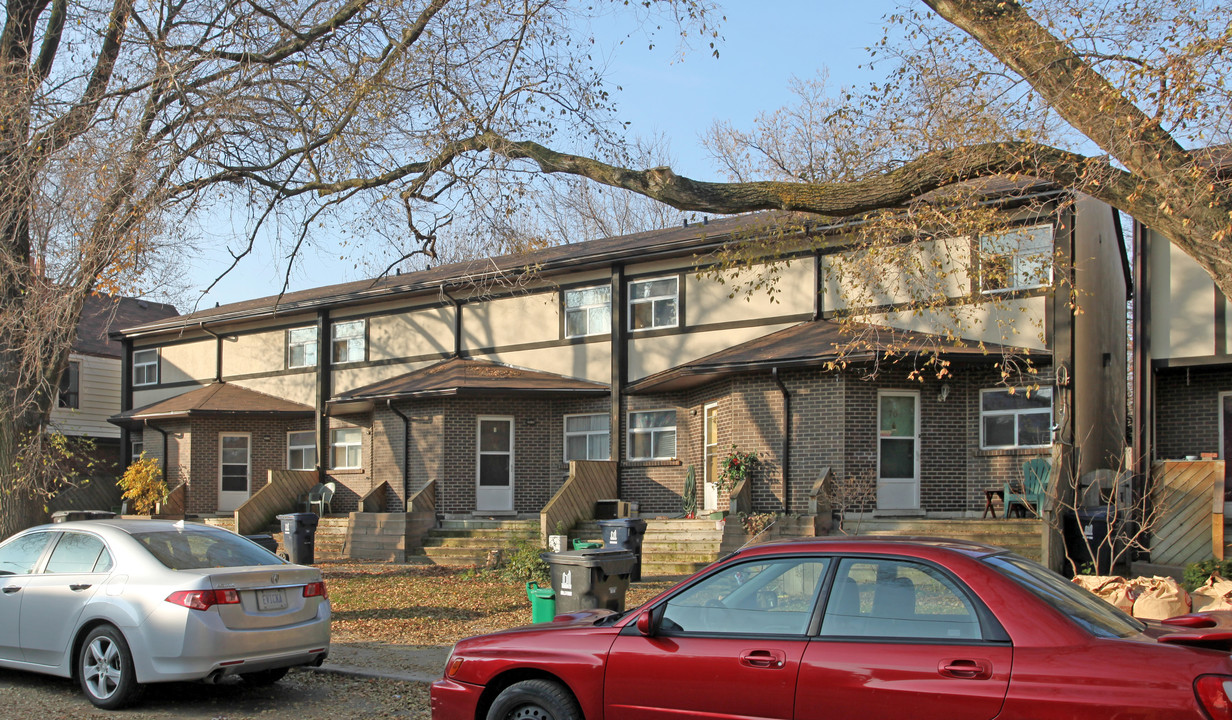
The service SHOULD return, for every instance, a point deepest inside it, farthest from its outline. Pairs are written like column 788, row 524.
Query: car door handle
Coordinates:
column 10, row 589
column 79, row 586
column 763, row 658
column 978, row 669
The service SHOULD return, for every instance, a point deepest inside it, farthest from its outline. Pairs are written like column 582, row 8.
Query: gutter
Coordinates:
column 774, row 372
column 166, row 444
column 406, row 459
column 217, row 350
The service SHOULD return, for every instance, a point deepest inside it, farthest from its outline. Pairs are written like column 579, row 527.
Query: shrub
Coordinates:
column 1197, row 573
column 143, row 485
column 523, row 564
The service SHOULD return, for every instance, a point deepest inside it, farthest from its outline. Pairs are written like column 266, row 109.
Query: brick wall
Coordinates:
column 1187, row 410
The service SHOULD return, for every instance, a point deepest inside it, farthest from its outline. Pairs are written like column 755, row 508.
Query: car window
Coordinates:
column 194, row 549
column 1096, row 615
column 78, row 553
column 19, row 555
column 887, row 598
column 774, row 597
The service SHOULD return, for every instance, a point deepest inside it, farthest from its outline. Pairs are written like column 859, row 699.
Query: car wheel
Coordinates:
column 535, row 700
column 264, row 677
column 105, row 669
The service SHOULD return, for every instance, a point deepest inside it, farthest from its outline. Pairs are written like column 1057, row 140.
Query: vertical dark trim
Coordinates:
column 620, row 355
column 126, row 397
column 325, row 369
column 1063, row 318
column 166, row 446
column 1221, row 323
column 1144, row 378
column 406, row 455
column 819, row 287
column 774, row 372
column 217, row 351
column 457, row 321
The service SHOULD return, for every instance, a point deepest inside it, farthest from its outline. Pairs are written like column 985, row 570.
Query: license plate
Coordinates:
column 271, row 600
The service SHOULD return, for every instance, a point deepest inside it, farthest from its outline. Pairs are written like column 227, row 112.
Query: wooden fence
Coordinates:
column 1189, row 498
column 280, row 495
column 589, row 480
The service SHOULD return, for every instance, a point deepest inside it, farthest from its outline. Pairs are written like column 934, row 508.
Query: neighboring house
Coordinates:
column 488, row 378
column 1182, row 353
column 89, row 391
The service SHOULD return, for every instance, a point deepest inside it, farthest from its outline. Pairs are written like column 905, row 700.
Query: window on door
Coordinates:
column 897, row 436
column 302, row 450
column 711, row 448
column 235, row 463
column 495, row 451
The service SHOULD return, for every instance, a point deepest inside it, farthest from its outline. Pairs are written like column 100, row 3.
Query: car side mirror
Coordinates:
column 646, row 624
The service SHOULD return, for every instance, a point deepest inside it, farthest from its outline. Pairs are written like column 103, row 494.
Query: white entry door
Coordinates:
column 898, row 450
column 710, row 494
column 234, row 469
column 494, row 465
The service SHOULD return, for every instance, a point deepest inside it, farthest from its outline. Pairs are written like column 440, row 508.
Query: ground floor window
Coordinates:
column 588, row 437
column 1015, row 418
column 302, row 450
column 347, row 446
column 652, row 435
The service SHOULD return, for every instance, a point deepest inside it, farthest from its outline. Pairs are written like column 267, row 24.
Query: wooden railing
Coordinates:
column 588, row 481
column 1189, row 498
column 740, row 499
column 424, row 500
column 176, row 502
column 280, row 495
column 376, row 499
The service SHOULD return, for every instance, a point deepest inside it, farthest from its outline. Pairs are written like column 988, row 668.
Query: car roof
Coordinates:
column 895, row 544
column 129, row 527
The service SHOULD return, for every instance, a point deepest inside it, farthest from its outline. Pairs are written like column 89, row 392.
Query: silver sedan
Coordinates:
column 120, row 603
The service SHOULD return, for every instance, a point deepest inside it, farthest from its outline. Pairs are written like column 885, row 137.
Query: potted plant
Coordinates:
column 734, row 468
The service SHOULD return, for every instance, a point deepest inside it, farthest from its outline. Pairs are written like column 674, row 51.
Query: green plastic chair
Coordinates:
column 1035, row 475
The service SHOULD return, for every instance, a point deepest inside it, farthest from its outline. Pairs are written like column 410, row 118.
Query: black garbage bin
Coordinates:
column 1086, row 538
column 586, row 579
column 69, row 515
column 299, row 536
column 625, row 534
column 266, row 541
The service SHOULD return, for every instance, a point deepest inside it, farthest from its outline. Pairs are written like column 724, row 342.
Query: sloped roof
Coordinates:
column 809, row 344
column 100, row 313
column 215, row 399
column 461, row 376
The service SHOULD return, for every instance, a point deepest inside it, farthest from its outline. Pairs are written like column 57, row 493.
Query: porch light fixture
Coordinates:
column 944, row 393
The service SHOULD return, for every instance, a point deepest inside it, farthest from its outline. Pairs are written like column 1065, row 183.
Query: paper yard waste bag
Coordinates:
column 1215, row 594
column 1114, row 589
column 1159, row 598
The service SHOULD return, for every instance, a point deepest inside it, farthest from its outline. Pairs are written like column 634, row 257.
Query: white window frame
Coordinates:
column 72, row 370
column 292, row 343
column 335, row 445
column 135, row 448
column 292, row 447
column 674, row 297
column 354, row 344
column 1019, row 275
column 145, row 367
column 631, row 431
column 1015, row 413
column 587, row 434
column 585, row 310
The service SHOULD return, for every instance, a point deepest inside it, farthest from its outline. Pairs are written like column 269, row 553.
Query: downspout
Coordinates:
column 406, row 459
column 217, row 351
column 774, row 372
column 457, row 321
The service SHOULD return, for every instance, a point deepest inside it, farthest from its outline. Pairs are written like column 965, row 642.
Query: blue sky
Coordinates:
column 764, row 45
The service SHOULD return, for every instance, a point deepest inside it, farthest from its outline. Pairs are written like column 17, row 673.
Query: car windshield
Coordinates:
column 1083, row 607
column 190, row 550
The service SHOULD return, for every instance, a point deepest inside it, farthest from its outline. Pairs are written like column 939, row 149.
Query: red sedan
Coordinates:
column 851, row 628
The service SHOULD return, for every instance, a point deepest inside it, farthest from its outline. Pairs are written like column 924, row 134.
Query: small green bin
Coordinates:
column 542, row 603
column 586, row 544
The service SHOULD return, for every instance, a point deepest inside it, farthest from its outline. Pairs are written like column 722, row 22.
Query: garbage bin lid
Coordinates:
column 589, row 558
column 624, row 522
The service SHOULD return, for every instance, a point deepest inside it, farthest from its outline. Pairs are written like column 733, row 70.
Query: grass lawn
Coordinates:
column 431, row 604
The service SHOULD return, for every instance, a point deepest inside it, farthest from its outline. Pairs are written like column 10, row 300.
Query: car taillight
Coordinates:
column 203, row 599
column 316, row 589
column 1215, row 695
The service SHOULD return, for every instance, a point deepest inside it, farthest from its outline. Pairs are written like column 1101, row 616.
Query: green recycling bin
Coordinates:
column 542, row 603
column 579, row 544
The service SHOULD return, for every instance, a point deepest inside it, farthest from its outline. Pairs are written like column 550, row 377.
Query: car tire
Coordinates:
column 535, row 700
column 264, row 677
column 105, row 669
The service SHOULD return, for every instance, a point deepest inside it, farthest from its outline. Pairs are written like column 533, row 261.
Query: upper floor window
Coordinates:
column 1020, row 259
column 302, row 347
column 588, row 311
column 652, row 435
column 348, row 342
column 653, row 303
column 1018, row 419
column 145, row 367
column 587, row 437
column 70, row 383
column 347, row 448
column 302, row 450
